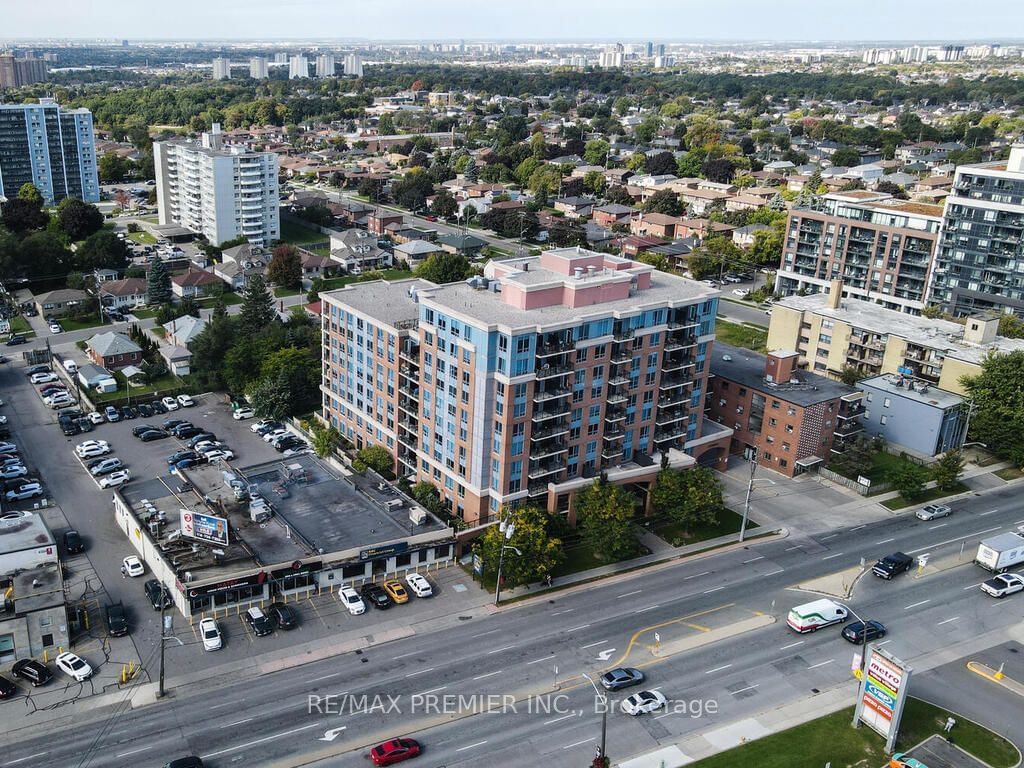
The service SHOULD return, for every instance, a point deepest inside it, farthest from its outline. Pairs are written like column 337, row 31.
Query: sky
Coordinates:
column 667, row 20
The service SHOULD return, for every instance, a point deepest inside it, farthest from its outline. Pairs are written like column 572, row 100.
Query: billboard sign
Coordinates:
column 883, row 691
column 207, row 528
column 385, row 550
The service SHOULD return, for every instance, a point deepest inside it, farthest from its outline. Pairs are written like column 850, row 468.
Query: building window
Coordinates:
column 887, row 402
column 883, row 420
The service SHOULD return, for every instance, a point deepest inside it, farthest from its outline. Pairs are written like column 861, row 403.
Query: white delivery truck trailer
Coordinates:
column 999, row 552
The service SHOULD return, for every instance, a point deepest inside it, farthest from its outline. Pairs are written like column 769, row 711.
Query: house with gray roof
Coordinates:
column 113, row 350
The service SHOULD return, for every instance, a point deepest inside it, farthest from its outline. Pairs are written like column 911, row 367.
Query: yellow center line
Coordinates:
column 670, row 622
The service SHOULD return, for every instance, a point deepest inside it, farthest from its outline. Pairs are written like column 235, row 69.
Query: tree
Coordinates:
column 41, row 255
column 444, row 268
column 663, row 201
column 893, row 189
column 20, row 216
column 210, row 348
column 721, row 169
column 412, row 190
column 1011, row 326
column 767, row 247
column 701, row 131
column 326, row 438
column 385, row 125
column 375, row 457
column 469, row 173
column 845, row 157
column 688, row 496
column 158, row 285
column 605, row 518
column 856, row 460
column 113, row 168
column 539, row 552
column 660, row 163
column 272, row 396
column 813, row 184
column 101, row 250
column 716, row 255
column 908, row 479
column 850, row 375
column 445, row 205
column 947, row 470
column 998, row 395
column 257, row 306
column 285, row 268
column 618, row 194
column 596, row 152
column 78, row 219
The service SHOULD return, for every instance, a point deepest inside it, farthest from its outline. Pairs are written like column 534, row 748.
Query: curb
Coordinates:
column 997, row 677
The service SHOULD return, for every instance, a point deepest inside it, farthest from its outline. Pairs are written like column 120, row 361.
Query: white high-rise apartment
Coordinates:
column 258, row 68
column 298, row 67
column 217, row 191
column 325, row 65
column 281, row 57
column 221, row 69
column 354, row 65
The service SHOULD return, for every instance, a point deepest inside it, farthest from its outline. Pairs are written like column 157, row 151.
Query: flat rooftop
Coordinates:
column 386, row 303
column 747, row 368
column 931, row 395
column 28, row 532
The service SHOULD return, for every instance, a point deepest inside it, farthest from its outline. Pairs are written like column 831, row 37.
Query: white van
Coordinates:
column 70, row 366
column 811, row 617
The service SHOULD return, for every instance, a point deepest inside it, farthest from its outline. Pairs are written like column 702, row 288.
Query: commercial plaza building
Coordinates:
column 527, row 383
column 979, row 262
column 51, row 147
column 880, row 247
column 220, row 192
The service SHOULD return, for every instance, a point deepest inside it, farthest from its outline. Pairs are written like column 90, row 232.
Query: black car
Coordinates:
column 376, row 596
column 283, row 615
column 143, row 428
column 158, row 407
column 153, row 434
column 184, row 433
column 145, row 410
column 70, row 427
column 174, row 458
column 860, row 632
column 621, row 677
column 259, row 622
column 7, row 688
column 172, row 423
column 185, row 762
column 73, row 543
column 157, row 594
column 117, row 620
column 84, row 424
column 892, row 565
column 128, row 412
column 15, row 340
column 197, row 439
column 289, row 442
column 35, row 672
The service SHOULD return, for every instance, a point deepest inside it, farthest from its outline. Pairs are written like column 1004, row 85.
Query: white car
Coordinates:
column 54, row 328
column 74, row 666
column 170, row 403
column 933, row 512
column 186, row 401
column 208, row 445
column 351, row 600
column 61, row 401
column 43, row 378
column 133, row 566
column 10, row 471
column 740, row 292
column 277, row 434
column 419, row 585
column 1004, row 584
column 296, row 450
column 3, row 419
column 260, row 425
column 91, row 448
column 96, row 417
column 114, row 479
column 27, row 491
column 8, row 448
column 243, row 413
column 644, row 702
column 210, row 632
column 218, row 454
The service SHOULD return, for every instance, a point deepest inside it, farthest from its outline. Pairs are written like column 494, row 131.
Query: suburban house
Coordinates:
column 468, row 245
column 60, row 302
column 356, row 249
column 183, row 330
column 314, row 265
column 195, row 283
column 700, row 201
column 113, row 350
column 377, row 222
column 655, row 225
column 96, row 377
column 122, row 294
column 415, row 252
column 744, row 236
column 236, row 275
column 575, row 207
column 611, row 214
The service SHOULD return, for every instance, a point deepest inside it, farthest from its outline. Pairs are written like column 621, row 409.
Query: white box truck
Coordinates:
column 999, row 552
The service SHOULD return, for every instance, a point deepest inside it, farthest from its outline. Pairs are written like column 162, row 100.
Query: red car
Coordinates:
column 394, row 751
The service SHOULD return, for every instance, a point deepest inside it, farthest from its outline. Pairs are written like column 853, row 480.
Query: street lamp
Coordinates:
column 507, row 528
column 603, row 698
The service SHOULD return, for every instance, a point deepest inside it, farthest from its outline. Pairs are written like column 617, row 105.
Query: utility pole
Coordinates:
column 507, row 529
column 603, row 698
column 750, row 489
column 163, row 598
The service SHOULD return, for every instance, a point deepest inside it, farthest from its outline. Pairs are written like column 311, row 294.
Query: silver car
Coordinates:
column 933, row 512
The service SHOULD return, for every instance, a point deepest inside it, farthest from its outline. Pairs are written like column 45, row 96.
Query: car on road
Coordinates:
column 153, row 434
column 351, row 600
column 26, row 491
column 860, row 632
column 115, row 479
column 105, row 466
column 933, row 512
column 157, row 594
column 34, row 672
column 43, row 378
column 892, row 565
column 133, row 566
column 185, row 762
column 396, row 591
column 1004, row 584
column 242, row 413
column 11, row 471
column 92, row 448
column 169, row 403
column 210, row 633
column 186, row 401
column 375, row 596
column 284, row 616
column 395, row 751
column 15, row 340
column 73, row 543
column 643, row 702
column 55, row 328
column 112, row 413
column 621, row 677
column 74, row 666
column 117, row 619
column 7, row 688
column 258, row 622
column 419, row 585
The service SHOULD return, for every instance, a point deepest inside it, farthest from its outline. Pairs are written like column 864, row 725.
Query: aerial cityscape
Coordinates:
column 561, row 385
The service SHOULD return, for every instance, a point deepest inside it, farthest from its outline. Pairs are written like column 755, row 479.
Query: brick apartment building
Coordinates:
column 525, row 384
column 791, row 418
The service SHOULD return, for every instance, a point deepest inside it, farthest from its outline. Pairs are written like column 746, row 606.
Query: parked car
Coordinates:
column 210, row 633
column 153, row 434
column 33, row 672
column 1004, row 584
column 184, row 433
column 375, row 596
column 43, row 378
column 145, row 410
column 15, row 340
column 258, row 622
column 158, row 407
column 351, row 600
column 419, row 585
column 115, row 479
column 644, row 702
column 177, row 456
column 74, row 666
column 112, row 413
column 105, row 466
column 7, row 688
column 92, row 448
column 95, row 417
column 129, row 412
column 158, row 596
column 396, row 591
column 200, row 438
column 117, row 619
column 27, row 491
column 142, row 428
column 73, row 543
column 933, row 512
column 394, row 751
column 55, row 328
column 11, row 471
column 133, row 566
column 169, row 403
column 621, row 677
column 219, row 454
column 170, row 424
column 284, row 616
column 277, row 434
column 8, row 448
column 242, row 413
column 186, row 401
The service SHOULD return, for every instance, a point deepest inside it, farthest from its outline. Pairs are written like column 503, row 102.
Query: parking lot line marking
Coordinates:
column 421, row 672
column 883, row 642
column 432, row 690
column 946, row 621
column 715, row 589
column 744, row 690
column 753, row 559
column 576, row 744
column 261, row 741
column 489, row 674
column 239, row 722
column 696, row 575
column 940, row 525
column 774, row 573
column 885, row 541
column 915, row 605
column 591, row 645
column 481, row 634
column 499, row 650
column 792, row 645
column 29, row 757
column 471, row 746
column 538, row 661
column 627, row 594
column 576, row 629
column 972, row 586
column 837, row 554
column 717, row 669
column 559, row 719
column 648, row 608
column 821, row 664
column 135, row 751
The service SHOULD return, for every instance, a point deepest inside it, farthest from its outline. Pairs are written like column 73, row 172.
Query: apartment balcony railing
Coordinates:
column 618, row 380
column 622, row 335
column 539, row 435
column 549, row 448
column 615, row 414
column 622, row 357
column 408, row 440
column 849, row 427
column 537, row 489
column 669, row 417
column 669, row 433
column 671, row 382
column 543, row 414
column 676, row 363
column 616, row 397
column 409, row 353
column 851, row 413
column 553, row 371
column 409, row 390
column 542, row 395
column 545, row 468
column 674, row 397
column 555, row 348
column 613, row 433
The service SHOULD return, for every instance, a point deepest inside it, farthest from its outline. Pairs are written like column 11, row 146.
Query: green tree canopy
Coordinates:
column 998, row 395
column 539, row 552
column 78, row 219
column 257, row 306
column 285, row 268
column 101, row 250
column 158, row 284
column 30, row 192
column 20, row 216
column 444, row 268
column 605, row 519
column 664, row 201
column 690, row 496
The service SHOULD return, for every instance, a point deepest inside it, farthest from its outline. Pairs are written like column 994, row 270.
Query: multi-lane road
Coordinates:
column 535, row 652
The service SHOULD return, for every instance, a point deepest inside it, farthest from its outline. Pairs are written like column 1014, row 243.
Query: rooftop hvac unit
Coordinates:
column 417, row 515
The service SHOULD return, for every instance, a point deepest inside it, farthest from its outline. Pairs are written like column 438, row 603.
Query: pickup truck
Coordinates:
column 117, row 620
column 892, row 565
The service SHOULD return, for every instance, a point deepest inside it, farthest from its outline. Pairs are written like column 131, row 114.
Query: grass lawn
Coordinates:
column 929, row 495
column 142, row 237
column 579, row 556
column 1009, row 473
column 228, row 297
column 76, row 325
column 882, row 463
column 158, row 330
column 281, row 292
column 144, row 314
column 677, row 535
column 296, row 234
column 740, row 335
column 20, row 325
column 831, row 740
column 161, row 385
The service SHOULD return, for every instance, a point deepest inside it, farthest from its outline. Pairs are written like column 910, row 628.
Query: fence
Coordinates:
column 853, row 485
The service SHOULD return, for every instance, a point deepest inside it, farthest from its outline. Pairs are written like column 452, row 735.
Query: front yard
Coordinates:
column 679, row 535
column 742, row 335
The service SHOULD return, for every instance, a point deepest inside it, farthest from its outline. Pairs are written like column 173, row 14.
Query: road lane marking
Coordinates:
column 260, row 741
column 709, row 591
column 506, row 648
column 29, row 757
column 627, row 594
column 471, row 746
column 973, row 586
column 576, row 744
column 481, row 634
column 753, row 559
column 830, row 536
column 239, row 722
column 915, row 605
column 227, row 704
column 865, row 525
column 335, row 674
column 648, row 608
column 774, row 573
column 591, row 645
column 990, row 512
column 717, row 669
column 946, row 621
column 796, row 546
column 559, row 719
column 696, row 575
column 410, row 653
column 135, row 751
column 421, row 671
column 950, row 541
column 885, row 541
column 837, row 554
column 744, row 690
column 940, row 525
column 489, row 674
column 577, row 629
column 538, row 661
column 567, row 610
column 793, row 645
column 821, row 664
column 432, row 690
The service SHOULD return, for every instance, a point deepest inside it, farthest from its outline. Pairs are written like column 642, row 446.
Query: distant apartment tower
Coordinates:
column 217, row 191
column 15, row 73
column 612, row 58
column 51, row 147
column 881, row 248
column 980, row 265
column 526, row 384
column 354, row 65
column 221, row 69
column 280, row 57
column 258, row 68
column 325, row 65
column 298, row 67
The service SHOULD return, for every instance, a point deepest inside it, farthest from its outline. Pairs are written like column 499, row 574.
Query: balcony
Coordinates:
column 613, row 434
column 547, row 433
column 614, row 398
column 672, row 398
column 615, row 414
column 676, row 363
column 553, row 371
column 621, row 335
column 622, row 357
column 553, row 393
column 545, row 468
column 555, row 348
column 851, row 413
column 549, row 449
column 670, row 416
column 849, row 427
column 670, row 433
column 410, row 352
column 543, row 414
column 537, row 489
column 671, row 382
column 611, row 453
column 618, row 380
column 676, row 325
column 409, row 390
column 408, row 441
